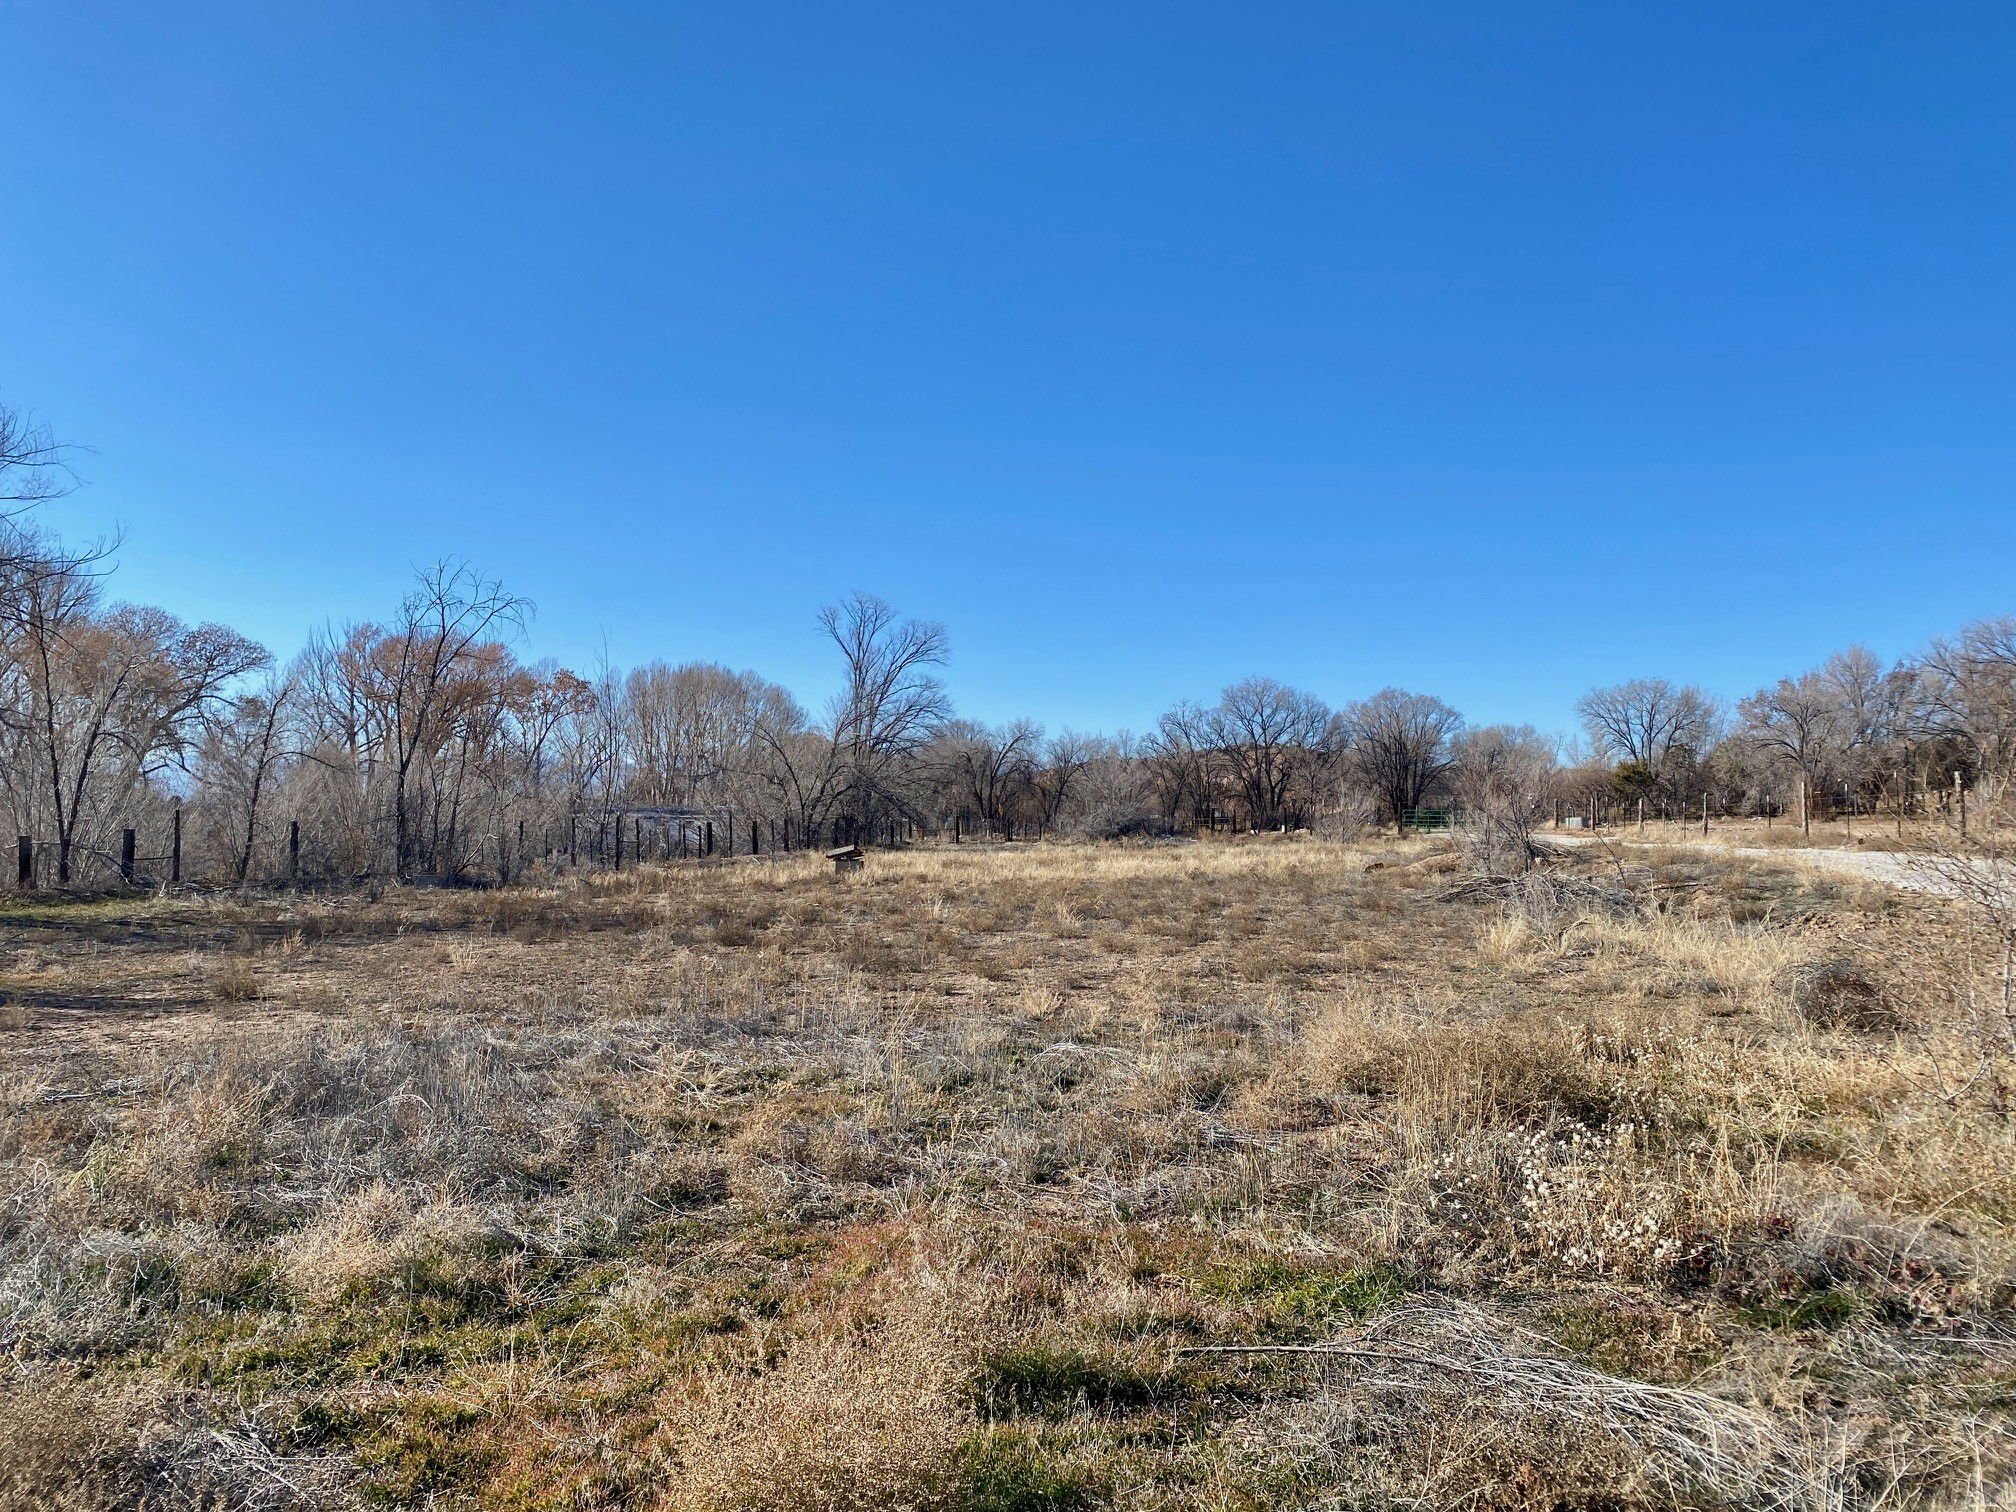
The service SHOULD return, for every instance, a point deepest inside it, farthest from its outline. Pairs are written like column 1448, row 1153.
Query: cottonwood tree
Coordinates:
column 1273, row 737
column 857, row 764
column 443, row 632
column 988, row 768
column 1065, row 760
column 242, row 751
column 106, row 698
column 1800, row 723
column 1183, row 763
column 404, row 711
column 1399, row 744
column 34, row 466
column 1665, row 729
column 558, row 699
column 1114, row 793
column 1968, row 689
column 34, row 471
column 1875, row 712
column 687, row 731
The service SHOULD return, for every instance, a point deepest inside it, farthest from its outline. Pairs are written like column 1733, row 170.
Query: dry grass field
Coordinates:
column 1269, row 1173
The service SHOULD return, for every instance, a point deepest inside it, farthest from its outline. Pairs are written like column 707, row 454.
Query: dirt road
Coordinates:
column 1912, row 873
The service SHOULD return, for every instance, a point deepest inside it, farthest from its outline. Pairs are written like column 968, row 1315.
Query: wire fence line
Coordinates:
column 588, row 841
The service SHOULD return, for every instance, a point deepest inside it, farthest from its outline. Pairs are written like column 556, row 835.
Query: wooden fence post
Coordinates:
column 707, row 848
column 616, row 835
column 293, row 850
column 175, row 848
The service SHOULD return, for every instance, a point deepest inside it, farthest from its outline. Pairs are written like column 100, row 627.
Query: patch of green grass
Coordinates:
column 254, row 1287
column 1047, row 1378
column 1000, row 1473
column 431, row 1314
column 1302, row 1300
column 1828, row 1310
column 424, row 1447
column 1629, row 1339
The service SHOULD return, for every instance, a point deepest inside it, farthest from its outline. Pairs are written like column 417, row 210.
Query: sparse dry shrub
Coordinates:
column 1778, row 837
column 372, row 1235
column 68, row 1445
column 234, row 981
column 1446, row 1406
column 64, row 1450
column 184, row 1157
column 848, row 1149
column 790, row 1145
column 1839, row 994
column 1459, row 1076
column 1564, row 1201
column 1744, row 964
column 861, row 1419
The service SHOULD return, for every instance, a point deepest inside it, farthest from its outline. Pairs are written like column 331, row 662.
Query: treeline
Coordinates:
column 424, row 743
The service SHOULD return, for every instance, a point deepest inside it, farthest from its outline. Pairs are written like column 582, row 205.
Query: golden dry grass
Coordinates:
column 750, row 1186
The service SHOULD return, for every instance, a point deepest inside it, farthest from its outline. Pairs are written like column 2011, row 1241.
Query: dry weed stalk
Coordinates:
column 1518, row 1424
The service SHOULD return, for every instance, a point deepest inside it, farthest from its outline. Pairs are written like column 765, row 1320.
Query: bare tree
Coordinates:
column 1648, row 721
column 241, row 751
column 1183, row 762
column 34, row 466
column 887, row 713
column 1799, row 722
column 988, row 767
column 1400, row 746
column 1056, row 780
column 35, row 470
column 687, row 730
column 1969, row 689
column 1272, row 736
column 108, row 697
column 442, row 625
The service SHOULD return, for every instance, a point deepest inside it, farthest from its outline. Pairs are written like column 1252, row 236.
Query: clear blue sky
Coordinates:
column 1491, row 350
